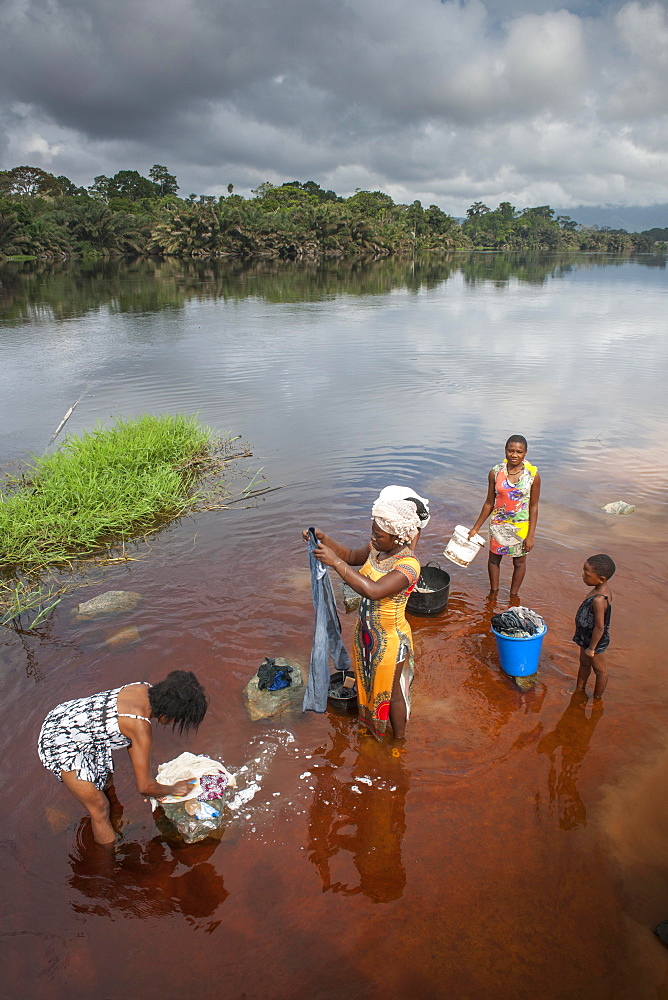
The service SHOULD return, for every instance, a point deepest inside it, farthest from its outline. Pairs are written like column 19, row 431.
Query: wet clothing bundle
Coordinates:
column 80, row 736
column 519, row 623
column 271, row 677
column 199, row 813
column 213, row 786
column 327, row 639
column 585, row 622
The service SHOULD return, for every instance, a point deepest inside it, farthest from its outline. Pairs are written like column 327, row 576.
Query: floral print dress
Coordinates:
column 509, row 524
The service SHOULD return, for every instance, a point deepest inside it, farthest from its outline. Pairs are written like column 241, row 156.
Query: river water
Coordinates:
column 518, row 847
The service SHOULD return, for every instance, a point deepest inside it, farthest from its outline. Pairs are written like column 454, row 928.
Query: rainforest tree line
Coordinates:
column 130, row 215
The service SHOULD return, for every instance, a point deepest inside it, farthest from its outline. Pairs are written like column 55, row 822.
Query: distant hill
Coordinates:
column 632, row 218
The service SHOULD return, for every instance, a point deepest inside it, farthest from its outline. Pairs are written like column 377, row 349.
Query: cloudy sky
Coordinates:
column 449, row 102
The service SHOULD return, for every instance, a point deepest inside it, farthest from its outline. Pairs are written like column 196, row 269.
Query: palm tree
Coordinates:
column 107, row 231
column 12, row 240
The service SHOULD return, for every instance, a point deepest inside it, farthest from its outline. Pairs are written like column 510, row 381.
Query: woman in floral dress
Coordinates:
column 513, row 491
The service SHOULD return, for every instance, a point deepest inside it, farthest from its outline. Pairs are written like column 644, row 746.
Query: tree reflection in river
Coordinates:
column 62, row 290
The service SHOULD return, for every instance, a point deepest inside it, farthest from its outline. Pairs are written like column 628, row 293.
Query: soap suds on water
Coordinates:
column 251, row 775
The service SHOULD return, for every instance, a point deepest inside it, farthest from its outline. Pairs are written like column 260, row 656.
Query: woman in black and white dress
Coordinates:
column 78, row 737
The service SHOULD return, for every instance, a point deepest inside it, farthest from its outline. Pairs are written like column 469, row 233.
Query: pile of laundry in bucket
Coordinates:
column 199, row 813
column 519, row 623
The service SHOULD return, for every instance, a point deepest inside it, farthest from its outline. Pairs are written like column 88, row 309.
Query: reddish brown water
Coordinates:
column 515, row 848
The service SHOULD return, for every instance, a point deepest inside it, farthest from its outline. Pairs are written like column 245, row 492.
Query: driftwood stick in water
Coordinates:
column 257, row 493
column 66, row 418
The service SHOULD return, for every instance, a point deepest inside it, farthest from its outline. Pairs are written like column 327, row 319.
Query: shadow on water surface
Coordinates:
column 572, row 736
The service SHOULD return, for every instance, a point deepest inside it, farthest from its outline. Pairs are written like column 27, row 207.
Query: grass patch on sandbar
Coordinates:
column 104, row 487
column 83, row 502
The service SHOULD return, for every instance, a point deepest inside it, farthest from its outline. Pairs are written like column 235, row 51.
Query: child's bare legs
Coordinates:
column 597, row 663
column 398, row 712
column 600, row 667
column 519, row 569
column 494, row 568
column 584, row 671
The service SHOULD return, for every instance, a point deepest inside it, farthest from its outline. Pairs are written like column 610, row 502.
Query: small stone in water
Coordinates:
column 618, row 507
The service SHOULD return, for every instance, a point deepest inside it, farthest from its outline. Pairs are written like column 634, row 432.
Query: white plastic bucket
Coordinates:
column 461, row 549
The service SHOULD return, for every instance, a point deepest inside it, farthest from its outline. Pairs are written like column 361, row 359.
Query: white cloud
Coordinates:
column 37, row 144
column 541, row 65
column 643, row 89
column 446, row 101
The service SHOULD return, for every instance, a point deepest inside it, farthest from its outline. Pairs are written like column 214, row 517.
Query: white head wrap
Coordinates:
column 403, row 493
column 398, row 517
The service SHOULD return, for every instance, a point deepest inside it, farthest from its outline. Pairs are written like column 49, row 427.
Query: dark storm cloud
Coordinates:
column 512, row 100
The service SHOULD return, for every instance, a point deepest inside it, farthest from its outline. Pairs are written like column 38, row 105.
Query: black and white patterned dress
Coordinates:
column 80, row 736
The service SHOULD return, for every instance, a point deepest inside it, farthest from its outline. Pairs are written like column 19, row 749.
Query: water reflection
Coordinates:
column 341, row 398
column 62, row 290
column 572, row 735
column 361, row 814
column 141, row 880
column 34, row 641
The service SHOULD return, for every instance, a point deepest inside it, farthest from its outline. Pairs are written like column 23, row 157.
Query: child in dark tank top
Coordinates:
column 592, row 623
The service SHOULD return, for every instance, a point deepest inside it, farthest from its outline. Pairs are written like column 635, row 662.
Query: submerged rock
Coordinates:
column 57, row 818
column 526, row 683
column 618, row 507
column 190, row 828
column 264, row 704
column 351, row 600
column 109, row 603
column 124, row 637
column 661, row 931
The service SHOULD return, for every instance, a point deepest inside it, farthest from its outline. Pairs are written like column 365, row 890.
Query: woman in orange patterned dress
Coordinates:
column 383, row 644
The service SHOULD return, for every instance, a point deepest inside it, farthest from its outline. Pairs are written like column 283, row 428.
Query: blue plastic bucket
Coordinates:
column 519, row 655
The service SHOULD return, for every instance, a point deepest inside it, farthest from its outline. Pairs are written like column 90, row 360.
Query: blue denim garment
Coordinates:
column 327, row 639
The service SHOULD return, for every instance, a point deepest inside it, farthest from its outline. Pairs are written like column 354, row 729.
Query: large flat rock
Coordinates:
column 110, row 603
column 265, row 704
column 351, row 599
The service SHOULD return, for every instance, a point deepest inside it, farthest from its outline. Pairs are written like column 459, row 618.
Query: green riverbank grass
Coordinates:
column 101, row 488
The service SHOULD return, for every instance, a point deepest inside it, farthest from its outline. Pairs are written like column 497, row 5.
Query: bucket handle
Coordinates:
column 432, row 563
